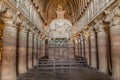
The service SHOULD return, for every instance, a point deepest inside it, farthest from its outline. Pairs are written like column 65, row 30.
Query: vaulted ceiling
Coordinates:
column 74, row 9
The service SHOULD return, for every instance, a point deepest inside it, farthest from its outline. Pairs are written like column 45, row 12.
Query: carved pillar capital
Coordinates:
column 11, row 18
column 100, row 27
column 23, row 27
column 113, row 16
column 38, row 35
column 92, row 32
column 27, row 27
column 32, row 30
column 17, row 19
column 115, row 21
column 35, row 32
column 3, row 7
column 7, row 17
column 81, row 37
column 87, row 35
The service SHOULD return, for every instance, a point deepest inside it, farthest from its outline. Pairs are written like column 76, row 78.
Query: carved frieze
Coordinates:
column 113, row 13
column 3, row 7
column 95, row 8
column 27, row 10
column 60, row 28
column 99, row 26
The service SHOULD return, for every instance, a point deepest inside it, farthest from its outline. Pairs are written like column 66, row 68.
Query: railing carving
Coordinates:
column 93, row 10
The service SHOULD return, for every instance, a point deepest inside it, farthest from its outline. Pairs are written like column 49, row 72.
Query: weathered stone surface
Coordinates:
column 80, row 73
column 102, row 52
column 38, row 49
column 76, row 48
column 115, row 49
column 8, row 68
column 82, row 46
column 87, row 51
column 35, row 51
column 30, row 50
column 60, row 28
column 93, row 51
column 22, row 52
column 80, row 50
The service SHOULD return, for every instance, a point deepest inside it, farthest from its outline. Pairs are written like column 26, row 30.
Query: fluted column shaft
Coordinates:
column 38, row 48
column 76, row 48
column 87, row 50
column 93, row 50
column 8, row 67
column 22, row 51
column 82, row 46
column 35, row 51
column 115, row 47
column 8, row 71
column 79, row 45
column 30, row 50
column 102, row 49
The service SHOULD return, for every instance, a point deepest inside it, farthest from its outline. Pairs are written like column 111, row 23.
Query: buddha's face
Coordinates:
column 59, row 7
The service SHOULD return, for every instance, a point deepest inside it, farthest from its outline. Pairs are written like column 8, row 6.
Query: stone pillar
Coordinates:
column 82, row 46
column 93, row 49
column 22, row 51
column 8, row 71
column 51, row 51
column 38, row 47
column 8, row 68
column 87, row 49
column 43, row 48
column 30, row 50
column 115, row 45
column 102, row 47
column 35, row 51
column 76, row 47
column 79, row 47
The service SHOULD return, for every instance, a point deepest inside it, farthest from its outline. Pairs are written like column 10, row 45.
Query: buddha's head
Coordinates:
column 59, row 7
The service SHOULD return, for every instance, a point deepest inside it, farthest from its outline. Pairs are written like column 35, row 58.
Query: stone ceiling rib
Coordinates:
column 73, row 8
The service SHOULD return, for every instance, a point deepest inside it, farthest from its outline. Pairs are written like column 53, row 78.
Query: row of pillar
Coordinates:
column 21, row 46
column 101, row 48
column 25, row 58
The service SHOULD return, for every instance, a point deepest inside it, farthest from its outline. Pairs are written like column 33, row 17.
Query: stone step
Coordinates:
column 60, row 63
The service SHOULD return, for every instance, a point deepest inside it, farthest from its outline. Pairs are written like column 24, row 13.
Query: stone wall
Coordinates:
column 104, row 40
column 19, row 49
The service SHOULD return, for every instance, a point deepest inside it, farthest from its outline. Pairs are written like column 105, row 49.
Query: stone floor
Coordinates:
column 82, row 73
